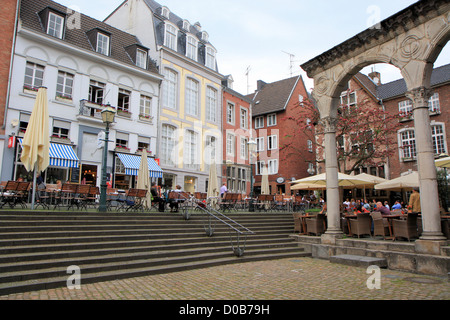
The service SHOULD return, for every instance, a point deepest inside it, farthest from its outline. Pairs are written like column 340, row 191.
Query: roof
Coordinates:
column 397, row 88
column 273, row 97
column 77, row 36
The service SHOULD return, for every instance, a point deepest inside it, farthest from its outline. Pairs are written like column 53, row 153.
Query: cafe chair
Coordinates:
column 406, row 228
column 361, row 225
column 380, row 225
column 297, row 222
column 316, row 225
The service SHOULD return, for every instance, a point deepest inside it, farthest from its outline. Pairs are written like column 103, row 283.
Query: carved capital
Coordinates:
column 329, row 124
column 419, row 97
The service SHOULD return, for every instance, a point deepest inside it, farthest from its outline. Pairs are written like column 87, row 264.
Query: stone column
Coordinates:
column 331, row 163
column 429, row 199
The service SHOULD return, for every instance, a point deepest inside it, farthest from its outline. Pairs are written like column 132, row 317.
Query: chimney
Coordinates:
column 198, row 26
column 376, row 77
column 260, row 84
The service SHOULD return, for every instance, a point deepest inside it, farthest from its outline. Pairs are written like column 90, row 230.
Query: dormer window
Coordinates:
column 100, row 41
column 102, row 44
column 191, row 48
column 205, row 36
column 165, row 12
column 186, row 25
column 141, row 58
column 170, row 38
column 210, row 58
column 53, row 22
column 55, row 25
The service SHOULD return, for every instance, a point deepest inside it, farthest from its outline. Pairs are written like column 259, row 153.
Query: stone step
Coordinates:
column 359, row 261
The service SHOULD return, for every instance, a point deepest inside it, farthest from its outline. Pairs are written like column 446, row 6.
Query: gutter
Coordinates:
column 13, row 48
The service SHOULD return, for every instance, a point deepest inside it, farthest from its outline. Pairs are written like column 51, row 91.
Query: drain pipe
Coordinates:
column 16, row 23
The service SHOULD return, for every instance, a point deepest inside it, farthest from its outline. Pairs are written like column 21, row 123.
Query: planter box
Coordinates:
column 65, row 100
column 60, row 140
column 124, row 114
column 146, row 119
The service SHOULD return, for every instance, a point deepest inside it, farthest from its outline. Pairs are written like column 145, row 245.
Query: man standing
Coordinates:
column 223, row 190
column 414, row 201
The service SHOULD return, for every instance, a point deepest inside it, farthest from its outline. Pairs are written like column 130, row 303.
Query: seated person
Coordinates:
column 174, row 203
column 156, row 198
column 381, row 208
column 396, row 205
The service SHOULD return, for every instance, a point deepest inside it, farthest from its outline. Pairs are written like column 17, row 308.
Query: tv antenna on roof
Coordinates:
column 247, row 73
column 291, row 57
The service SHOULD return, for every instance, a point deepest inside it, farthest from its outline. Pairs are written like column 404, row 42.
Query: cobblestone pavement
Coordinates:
column 285, row 279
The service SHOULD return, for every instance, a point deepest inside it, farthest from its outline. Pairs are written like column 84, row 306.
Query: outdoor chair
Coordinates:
column 297, row 222
column 406, row 228
column 130, row 200
column 445, row 223
column 81, row 195
column 279, row 202
column 93, row 196
column 67, row 195
column 419, row 226
column 9, row 193
column 361, row 225
column 316, row 225
column 43, row 199
column 380, row 225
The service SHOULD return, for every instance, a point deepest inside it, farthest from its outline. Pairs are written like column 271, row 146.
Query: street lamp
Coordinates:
column 108, row 115
column 251, row 149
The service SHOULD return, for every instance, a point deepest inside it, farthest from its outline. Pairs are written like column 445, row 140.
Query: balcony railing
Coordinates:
column 91, row 110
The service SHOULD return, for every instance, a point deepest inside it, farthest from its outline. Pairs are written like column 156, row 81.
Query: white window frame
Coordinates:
column 103, row 41
column 433, row 103
column 272, row 166
column 272, row 142
column 34, row 75
column 260, row 168
column 171, row 36
column 191, row 148
column 260, row 144
column 191, row 47
column 211, row 104
column 211, row 146
column 64, row 85
column 272, row 120
column 244, row 118
column 405, row 106
column 310, row 145
column 192, row 97
column 259, row 122
column 145, row 105
column 438, row 138
column 141, row 58
column 168, row 145
column 407, row 143
column 231, row 144
column 231, row 113
column 124, row 103
column 170, row 89
column 55, row 25
column 244, row 148
column 210, row 59
column 99, row 88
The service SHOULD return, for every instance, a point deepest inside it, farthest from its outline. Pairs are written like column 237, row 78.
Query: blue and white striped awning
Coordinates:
column 62, row 155
column 132, row 164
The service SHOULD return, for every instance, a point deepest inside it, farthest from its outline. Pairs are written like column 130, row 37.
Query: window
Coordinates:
column 244, row 118
column 244, row 148
column 145, row 108
column 96, row 91
column 210, row 58
column 191, row 48
column 260, row 144
column 34, row 76
column 211, row 104
column 186, row 25
column 165, row 12
column 191, row 150
column 211, row 145
column 168, row 145
column 192, row 94
column 230, row 113
column 273, row 166
column 170, row 39
column 438, row 137
column 272, row 142
column 230, row 144
column 271, row 120
column 170, row 89
column 55, row 25
column 408, row 144
column 122, row 140
column 141, row 58
column 348, row 98
column 64, row 85
column 433, row 103
column 61, row 129
column 405, row 106
column 260, row 167
column 144, row 144
column 259, row 122
column 23, row 123
column 123, row 103
column 102, row 44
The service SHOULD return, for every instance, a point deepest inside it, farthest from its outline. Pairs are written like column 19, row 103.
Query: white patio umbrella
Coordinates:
column 408, row 181
column 213, row 186
column 373, row 181
column 144, row 179
column 345, row 180
column 443, row 163
column 36, row 142
column 265, row 182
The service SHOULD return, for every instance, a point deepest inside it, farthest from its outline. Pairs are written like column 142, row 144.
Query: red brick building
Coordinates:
column 7, row 36
column 237, row 126
column 286, row 152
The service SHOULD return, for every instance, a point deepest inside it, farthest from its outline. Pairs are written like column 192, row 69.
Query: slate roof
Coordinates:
column 77, row 36
column 273, row 97
column 397, row 88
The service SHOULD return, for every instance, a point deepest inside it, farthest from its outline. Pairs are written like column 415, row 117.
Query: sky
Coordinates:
column 269, row 40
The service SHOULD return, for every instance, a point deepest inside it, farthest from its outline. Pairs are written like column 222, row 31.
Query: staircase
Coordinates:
column 36, row 248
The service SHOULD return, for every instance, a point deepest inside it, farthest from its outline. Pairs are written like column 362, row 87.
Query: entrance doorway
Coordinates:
column 189, row 184
column 89, row 174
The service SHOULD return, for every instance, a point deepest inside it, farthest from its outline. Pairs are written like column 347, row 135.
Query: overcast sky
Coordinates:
column 273, row 38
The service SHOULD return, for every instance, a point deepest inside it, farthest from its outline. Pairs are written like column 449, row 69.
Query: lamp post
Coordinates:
column 251, row 149
column 108, row 115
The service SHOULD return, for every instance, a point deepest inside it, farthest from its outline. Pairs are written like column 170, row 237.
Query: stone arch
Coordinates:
column 410, row 40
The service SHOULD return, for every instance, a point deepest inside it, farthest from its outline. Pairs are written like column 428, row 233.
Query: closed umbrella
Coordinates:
column 213, row 187
column 144, row 179
column 36, row 142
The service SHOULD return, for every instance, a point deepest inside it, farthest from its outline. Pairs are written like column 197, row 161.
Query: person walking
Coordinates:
column 414, row 201
column 223, row 190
